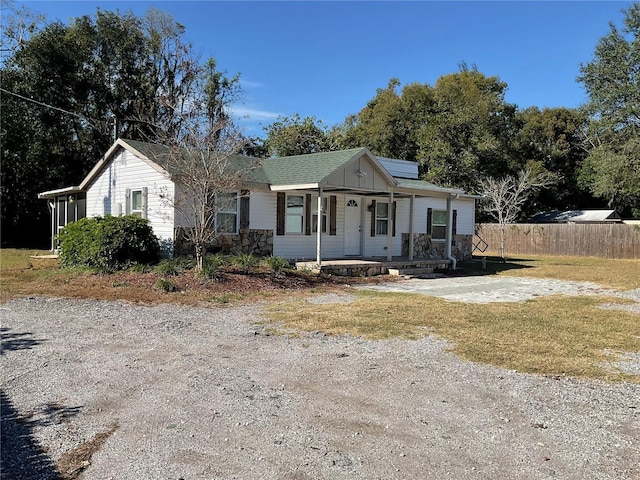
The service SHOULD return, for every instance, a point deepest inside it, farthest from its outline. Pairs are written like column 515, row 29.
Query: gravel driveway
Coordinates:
column 107, row 390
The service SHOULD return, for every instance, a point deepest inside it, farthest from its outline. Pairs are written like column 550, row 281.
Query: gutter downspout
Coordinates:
column 449, row 235
column 319, row 232
column 391, row 220
column 411, row 202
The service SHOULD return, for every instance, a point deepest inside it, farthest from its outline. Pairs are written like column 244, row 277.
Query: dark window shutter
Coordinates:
column 429, row 220
column 395, row 208
column 333, row 214
column 281, row 212
column 145, row 202
column 307, row 214
column 454, row 226
column 373, row 218
column 244, row 209
column 127, row 201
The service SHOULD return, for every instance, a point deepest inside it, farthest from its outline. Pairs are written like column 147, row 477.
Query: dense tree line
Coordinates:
column 68, row 89
column 462, row 130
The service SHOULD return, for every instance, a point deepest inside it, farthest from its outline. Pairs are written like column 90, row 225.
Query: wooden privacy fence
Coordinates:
column 615, row 240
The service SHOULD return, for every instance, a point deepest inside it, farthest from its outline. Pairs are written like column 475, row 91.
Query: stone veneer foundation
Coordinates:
column 425, row 247
column 256, row 242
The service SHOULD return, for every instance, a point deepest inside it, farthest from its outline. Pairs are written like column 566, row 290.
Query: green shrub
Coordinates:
column 165, row 285
column 169, row 267
column 212, row 267
column 246, row 261
column 108, row 243
column 277, row 264
column 140, row 268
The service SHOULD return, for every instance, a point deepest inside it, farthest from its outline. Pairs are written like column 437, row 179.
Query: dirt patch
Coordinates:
column 72, row 463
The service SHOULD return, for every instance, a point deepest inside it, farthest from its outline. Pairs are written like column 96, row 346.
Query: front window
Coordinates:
column 314, row 218
column 382, row 218
column 227, row 212
column 136, row 203
column 295, row 214
column 439, row 225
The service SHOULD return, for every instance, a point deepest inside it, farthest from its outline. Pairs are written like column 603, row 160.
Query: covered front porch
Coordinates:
column 371, row 266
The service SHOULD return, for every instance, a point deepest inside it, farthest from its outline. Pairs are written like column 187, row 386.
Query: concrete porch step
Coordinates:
column 412, row 272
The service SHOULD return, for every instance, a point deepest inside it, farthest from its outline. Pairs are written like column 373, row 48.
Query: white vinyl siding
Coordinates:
column 377, row 246
column 297, row 246
column 262, row 210
column 466, row 224
column 107, row 194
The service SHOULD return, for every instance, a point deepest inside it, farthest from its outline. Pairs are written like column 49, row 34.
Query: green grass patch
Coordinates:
column 553, row 335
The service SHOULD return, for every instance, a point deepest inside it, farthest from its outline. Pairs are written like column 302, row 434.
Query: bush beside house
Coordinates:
column 108, row 243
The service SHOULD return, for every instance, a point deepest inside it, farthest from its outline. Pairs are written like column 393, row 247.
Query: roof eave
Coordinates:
column 59, row 191
column 300, row 186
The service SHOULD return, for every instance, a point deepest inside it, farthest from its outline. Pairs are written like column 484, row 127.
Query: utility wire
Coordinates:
column 91, row 121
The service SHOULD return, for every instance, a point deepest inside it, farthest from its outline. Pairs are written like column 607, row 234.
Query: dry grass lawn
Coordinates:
column 619, row 274
column 551, row 335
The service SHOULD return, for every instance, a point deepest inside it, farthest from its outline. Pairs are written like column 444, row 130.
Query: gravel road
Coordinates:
column 104, row 390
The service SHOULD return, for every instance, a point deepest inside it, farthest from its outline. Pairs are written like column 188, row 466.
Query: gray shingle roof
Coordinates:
column 309, row 169
column 159, row 154
column 412, row 184
column 306, row 169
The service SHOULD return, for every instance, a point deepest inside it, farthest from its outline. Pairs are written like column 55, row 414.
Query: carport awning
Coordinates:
column 58, row 192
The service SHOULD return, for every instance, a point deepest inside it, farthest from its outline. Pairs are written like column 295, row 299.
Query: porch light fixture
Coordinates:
column 72, row 198
column 361, row 173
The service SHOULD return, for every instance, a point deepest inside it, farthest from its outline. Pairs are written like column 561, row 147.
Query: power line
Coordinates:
column 91, row 121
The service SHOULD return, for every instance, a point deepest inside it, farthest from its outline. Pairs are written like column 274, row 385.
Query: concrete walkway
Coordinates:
column 487, row 289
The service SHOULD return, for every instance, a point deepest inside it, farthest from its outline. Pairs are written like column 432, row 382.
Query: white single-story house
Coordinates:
column 336, row 205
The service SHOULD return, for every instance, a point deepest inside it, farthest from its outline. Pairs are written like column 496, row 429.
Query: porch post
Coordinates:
column 449, row 234
column 52, row 209
column 319, row 230
column 413, row 199
column 390, row 221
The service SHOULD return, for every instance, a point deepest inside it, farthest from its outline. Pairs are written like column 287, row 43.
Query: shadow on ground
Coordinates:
column 17, row 341
column 21, row 455
column 490, row 266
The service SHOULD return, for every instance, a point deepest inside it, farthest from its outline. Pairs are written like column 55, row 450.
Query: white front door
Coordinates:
column 352, row 225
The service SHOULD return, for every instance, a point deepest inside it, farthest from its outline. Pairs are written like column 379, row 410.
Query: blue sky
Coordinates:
column 326, row 59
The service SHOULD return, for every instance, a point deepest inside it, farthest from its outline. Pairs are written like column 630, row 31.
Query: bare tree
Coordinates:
column 18, row 25
column 504, row 197
column 209, row 174
column 204, row 161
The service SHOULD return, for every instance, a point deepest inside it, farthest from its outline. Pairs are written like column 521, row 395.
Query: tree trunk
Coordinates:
column 199, row 256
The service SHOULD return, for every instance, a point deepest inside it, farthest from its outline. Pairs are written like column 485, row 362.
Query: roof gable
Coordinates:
column 139, row 149
column 322, row 169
